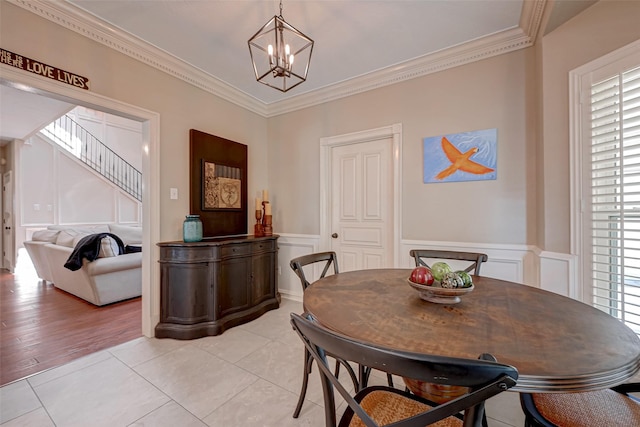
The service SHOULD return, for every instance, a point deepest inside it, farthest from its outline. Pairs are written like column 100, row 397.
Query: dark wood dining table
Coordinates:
column 557, row 344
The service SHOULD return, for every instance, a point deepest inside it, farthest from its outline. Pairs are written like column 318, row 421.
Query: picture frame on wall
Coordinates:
column 218, row 184
column 459, row 157
column 221, row 186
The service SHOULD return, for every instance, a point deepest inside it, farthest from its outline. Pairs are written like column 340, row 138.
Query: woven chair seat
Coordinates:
column 594, row 408
column 386, row 407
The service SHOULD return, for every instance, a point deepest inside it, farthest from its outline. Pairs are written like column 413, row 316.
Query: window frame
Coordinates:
column 580, row 82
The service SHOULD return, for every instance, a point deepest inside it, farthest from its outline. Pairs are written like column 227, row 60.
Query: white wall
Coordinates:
column 121, row 135
column 54, row 187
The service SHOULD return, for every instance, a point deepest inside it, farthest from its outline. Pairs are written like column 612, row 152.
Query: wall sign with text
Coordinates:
column 37, row 67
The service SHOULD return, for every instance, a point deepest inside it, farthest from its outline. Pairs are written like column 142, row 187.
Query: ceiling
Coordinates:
column 352, row 38
column 355, row 40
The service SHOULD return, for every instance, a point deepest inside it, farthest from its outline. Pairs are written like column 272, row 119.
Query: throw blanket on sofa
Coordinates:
column 89, row 247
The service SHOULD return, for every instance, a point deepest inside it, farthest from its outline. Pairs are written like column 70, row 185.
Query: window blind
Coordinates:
column 615, row 196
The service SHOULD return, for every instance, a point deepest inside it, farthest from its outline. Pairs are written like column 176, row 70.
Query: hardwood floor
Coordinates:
column 44, row 327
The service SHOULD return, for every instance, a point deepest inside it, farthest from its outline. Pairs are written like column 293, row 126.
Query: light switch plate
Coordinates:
column 173, row 193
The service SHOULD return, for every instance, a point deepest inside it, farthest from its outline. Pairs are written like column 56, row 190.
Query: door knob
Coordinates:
column 334, row 235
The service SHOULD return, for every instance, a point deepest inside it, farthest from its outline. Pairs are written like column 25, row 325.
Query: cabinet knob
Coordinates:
column 334, row 235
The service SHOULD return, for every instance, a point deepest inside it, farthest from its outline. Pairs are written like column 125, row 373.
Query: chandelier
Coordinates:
column 280, row 54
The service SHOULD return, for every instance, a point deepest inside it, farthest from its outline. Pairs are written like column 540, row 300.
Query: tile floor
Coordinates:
column 248, row 376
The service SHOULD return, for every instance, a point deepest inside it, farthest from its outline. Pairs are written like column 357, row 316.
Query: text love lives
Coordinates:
column 44, row 70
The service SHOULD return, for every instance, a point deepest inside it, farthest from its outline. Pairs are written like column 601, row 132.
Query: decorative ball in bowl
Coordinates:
column 446, row 291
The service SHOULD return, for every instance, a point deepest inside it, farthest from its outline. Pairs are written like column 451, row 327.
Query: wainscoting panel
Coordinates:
column 292, row 246
column 525, row 264
column 506, row 262
column 558, row 274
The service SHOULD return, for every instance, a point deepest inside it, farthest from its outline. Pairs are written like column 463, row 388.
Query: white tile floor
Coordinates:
column 248, row 376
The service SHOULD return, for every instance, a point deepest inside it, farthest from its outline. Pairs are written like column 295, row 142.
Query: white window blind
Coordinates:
column 615, row 196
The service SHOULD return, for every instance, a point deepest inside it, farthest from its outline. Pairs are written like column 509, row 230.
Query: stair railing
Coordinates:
column 71, row 136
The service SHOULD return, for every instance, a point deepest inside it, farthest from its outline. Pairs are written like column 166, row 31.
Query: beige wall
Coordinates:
column 602, row 28
column 494, row 93
column 181, row 106
column 527, row 204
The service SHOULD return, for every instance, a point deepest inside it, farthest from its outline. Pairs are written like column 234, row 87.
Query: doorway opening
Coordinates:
column 150, row 165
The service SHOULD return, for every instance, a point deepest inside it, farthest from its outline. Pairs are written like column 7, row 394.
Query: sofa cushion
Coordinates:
column 49, row 236
column 70, row 237
column 129, row 234
column 108, row 247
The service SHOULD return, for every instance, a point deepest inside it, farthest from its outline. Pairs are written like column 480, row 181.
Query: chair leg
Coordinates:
column 390, row 380
column 308, row 362
column 363, row 376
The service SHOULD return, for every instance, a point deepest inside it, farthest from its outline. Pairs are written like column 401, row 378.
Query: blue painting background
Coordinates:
column 436, row 161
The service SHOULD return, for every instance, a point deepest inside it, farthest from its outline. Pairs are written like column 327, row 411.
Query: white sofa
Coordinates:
column 103, row 281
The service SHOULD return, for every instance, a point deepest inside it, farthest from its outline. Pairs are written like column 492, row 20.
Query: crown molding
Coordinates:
column 76, row 19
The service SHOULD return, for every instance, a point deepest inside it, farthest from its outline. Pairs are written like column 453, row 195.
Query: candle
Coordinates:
column 267, row 208
column 258, row 204
column 265, row 195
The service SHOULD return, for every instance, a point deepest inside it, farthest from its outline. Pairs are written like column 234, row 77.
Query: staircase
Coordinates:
column 78, row 141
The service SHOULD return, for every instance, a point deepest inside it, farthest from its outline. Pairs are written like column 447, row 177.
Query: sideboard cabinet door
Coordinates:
column 189, row 303
column 234, row 296
column 263, row 271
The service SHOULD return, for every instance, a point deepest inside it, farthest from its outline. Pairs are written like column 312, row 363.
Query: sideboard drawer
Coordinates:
column 266, row 245
column 235, row 250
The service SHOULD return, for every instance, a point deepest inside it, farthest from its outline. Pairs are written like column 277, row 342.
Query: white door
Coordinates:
column 362, row 207
column 8, row 261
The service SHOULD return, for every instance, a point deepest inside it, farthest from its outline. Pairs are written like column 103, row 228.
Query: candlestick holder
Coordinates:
column 258, row 229
column 267, row 228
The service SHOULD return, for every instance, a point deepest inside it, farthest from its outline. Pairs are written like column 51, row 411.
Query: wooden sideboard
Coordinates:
column 209, row 286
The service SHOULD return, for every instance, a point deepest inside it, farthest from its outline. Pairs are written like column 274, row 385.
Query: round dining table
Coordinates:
column 557, row 344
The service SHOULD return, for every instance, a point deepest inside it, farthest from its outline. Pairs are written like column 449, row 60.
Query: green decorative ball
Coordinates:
column 439, row 269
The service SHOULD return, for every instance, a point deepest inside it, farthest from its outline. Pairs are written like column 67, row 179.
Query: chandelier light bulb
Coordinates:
column 287, row 49
column 270, row 49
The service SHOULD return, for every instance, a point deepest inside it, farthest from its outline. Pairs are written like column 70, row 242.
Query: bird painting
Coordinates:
column 460, row 161
column 466, row 156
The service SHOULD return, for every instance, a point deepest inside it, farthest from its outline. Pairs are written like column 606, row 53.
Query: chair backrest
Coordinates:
column 329, row 258
column 421, row 255
column 485, row 378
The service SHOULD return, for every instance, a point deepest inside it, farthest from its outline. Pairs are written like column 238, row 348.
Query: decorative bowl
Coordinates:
column 439, row 295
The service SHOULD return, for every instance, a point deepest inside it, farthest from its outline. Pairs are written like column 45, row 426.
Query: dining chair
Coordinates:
column 330, row 265
column 374, row 406
column 591, row 408
column 421, row 255
column 330, row 261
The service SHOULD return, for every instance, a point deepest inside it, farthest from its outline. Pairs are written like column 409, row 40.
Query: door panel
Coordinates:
column 361, row 206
